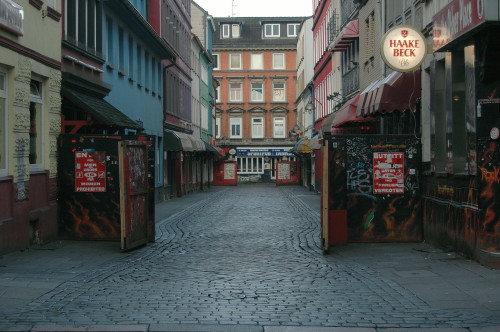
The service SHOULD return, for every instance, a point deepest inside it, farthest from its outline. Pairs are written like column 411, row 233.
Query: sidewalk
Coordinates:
column 442, row 280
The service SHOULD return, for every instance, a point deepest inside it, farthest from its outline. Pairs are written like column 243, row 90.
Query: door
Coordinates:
column 134, row 192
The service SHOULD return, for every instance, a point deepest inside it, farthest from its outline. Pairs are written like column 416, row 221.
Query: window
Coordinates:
column 51, row 3
column 139, row 65
column 35, row 152
column 258, row 127
column 235, row 30
column 235, row 61
column 217, row 128
column 225, row 31
column 130, row 58
column 257, row 93
column 279, row 127
column 279, row 91
column 81, row 26
column 235, row 91
column 204, row 74
column 235, row 125
column 153, row 74
column 271, row 30
column 370, row 36
column 3, row 124
column 250, row 165
column 121, row 50
column 292, row 30
column 109, row 40
column 146, row 70
column 278, row 61
column 217, row 97
column 216, row 61
column 257, row 61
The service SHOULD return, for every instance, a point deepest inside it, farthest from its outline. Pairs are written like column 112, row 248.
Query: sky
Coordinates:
column 256, row 8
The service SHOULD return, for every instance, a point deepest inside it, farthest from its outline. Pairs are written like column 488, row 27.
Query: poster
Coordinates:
column 388, row 173
column 90, row 171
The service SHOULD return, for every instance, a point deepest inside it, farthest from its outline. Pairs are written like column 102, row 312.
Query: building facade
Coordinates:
column 256, row 117
column 30, row 111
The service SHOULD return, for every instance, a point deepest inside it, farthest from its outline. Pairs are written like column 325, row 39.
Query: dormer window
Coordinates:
column 271, row 30
column 230, row 30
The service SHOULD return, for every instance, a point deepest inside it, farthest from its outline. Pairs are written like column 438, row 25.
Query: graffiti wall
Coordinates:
column 376, row 180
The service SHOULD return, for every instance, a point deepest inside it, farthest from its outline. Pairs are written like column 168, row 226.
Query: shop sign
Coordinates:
column 388, row 173
column 90, row 171
column 457, row 18
column 11, row 16
column 403, row 48
column 270, row 152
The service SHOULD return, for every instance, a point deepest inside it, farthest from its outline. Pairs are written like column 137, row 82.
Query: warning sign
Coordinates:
column 388, row 173
column 90, row 171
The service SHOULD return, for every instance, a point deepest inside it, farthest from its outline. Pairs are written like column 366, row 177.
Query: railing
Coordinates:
column 350, row 81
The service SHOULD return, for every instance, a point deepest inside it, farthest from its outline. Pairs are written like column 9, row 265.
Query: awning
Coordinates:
column 177, row 141
column 347, row 35
column 218, row 152
column 346, row 114
column 302, row 146
column 398, row 91
column 100, row 109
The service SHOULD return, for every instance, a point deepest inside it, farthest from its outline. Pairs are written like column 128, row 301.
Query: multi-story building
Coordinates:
column 30, row 121
column 461, row 87
column 256, row 113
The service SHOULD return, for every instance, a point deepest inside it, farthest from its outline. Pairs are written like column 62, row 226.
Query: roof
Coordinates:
column 251, row 32
column 100, row 109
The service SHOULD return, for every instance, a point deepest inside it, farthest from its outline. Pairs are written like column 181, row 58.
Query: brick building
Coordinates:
column 256, row 116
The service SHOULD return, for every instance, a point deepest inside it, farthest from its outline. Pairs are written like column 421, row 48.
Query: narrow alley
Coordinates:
column 244, row 257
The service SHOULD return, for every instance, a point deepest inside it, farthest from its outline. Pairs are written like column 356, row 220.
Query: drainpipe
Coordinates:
column 382, row 31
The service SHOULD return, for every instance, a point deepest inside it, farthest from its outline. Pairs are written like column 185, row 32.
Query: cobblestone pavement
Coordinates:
column 247, row 255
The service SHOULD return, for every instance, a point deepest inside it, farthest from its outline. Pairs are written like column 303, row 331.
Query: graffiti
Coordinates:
column 490, row 176
column 137, row 160
column 359, row 180
column 249, row 178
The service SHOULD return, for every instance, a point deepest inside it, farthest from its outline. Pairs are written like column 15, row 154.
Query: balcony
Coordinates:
column 350, row 81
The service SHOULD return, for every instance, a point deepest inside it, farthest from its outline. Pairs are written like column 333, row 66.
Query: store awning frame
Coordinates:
column 302, row 146
column 347, row 35
column 346, row 114
column 399, row 91
column 177, row 141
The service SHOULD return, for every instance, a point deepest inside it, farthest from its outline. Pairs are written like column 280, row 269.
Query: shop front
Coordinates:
column 259, row 164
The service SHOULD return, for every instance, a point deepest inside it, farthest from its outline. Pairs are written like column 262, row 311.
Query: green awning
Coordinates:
column 100, row 109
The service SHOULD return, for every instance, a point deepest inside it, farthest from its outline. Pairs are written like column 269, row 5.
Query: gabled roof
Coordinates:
column 252, row 33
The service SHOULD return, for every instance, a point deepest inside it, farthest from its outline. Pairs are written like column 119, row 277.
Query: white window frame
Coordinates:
column 279, row 93
column 38, row 99
column 237, row 122
column 272, row 32
column 217, row 98
column 276, row 64
column 253, row 96
column 250, row 165
column 279, row 124
column 235, row 94
column 295, row 27
column 225, row 30
column 4, row 137
column 235, row 30
column 257, row 61
column 257, row 127
column 238, row 55
column 217, row 127
column 216, row 61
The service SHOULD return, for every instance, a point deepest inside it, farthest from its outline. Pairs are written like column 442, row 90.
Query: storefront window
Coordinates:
column 3, row 126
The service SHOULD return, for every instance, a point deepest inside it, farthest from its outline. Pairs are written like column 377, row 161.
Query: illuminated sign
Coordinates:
column 403, row 48
column 11, row 16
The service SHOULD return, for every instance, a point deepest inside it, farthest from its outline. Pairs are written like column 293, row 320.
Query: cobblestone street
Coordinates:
column 248, row 255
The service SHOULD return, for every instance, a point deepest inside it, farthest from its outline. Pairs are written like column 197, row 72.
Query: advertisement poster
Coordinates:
column 90, row 171
column 388, row 173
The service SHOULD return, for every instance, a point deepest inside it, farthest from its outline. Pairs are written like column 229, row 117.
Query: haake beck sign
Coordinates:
column 403, row 48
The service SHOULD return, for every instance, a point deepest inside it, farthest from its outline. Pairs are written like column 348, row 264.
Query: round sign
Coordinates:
column 494, row 133
column 403, row 48
column 232, row 152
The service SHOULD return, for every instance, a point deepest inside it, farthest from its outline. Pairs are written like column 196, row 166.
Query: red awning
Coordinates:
column 346, row 114
column 397, row 92
column 347, row 35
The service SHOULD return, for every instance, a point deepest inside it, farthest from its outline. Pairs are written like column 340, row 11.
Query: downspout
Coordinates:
column 382, row 32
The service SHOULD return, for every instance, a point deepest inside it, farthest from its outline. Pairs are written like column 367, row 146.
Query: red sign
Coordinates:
column 90, row 171
column 457, row 18
column 388, row 173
